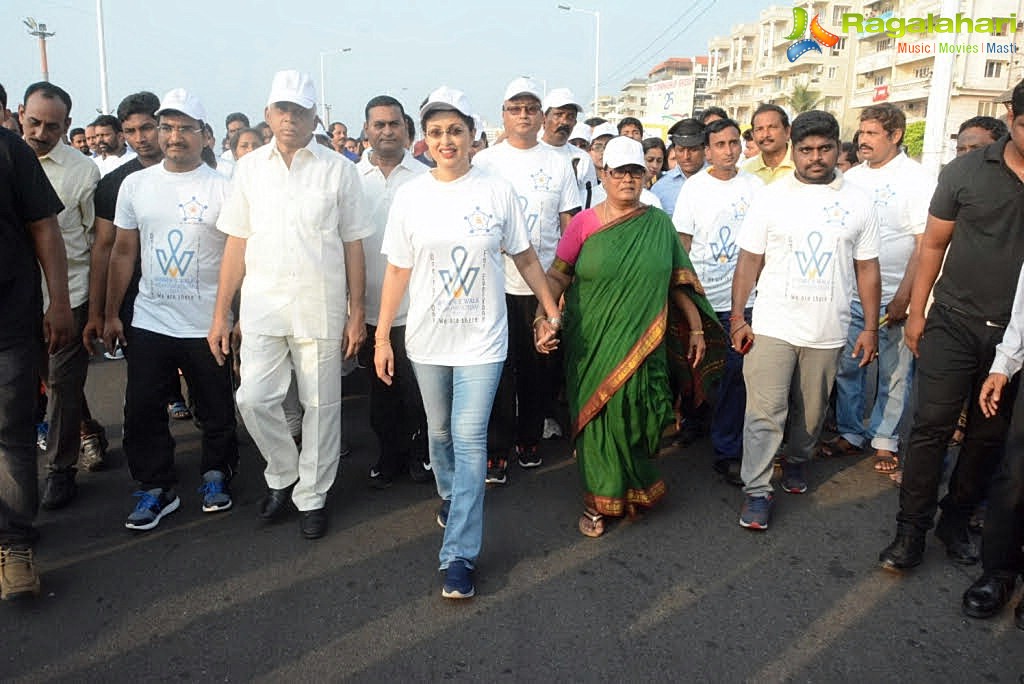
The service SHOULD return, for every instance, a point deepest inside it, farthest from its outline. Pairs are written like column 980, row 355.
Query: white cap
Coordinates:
column 561, row 97
column 580, row 130
column 447, row 98
column 622, row 151
column 293, row 86
column 604, row 129
column 478, row 124
column 522, row 86
column 180, row 100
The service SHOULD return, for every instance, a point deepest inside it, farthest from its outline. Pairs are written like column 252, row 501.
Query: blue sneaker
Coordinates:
column 793, row 479
column 215, row 492
column 756, row 512
column 442, row 513
column 153, row 505
column 42, row 431
column 458, row 581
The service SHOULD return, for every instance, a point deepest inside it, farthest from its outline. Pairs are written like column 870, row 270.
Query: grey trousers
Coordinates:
column 65, row 389
column 774, row 371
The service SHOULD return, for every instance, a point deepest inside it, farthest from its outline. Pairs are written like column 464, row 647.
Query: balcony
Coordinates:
column 873, row 62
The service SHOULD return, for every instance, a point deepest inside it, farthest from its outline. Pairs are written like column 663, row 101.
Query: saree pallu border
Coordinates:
column 644, row 347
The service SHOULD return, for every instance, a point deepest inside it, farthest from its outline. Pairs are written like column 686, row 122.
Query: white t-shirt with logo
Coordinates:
column 809, row 236
column 901, row 191
column 583, row 167
column 180, row 246
column 452, row 235
column 546, row 185
column 711, row 211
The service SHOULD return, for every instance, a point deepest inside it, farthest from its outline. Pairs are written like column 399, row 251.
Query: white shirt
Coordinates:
column 179, row 245
column 111, row 162
column 546, row 185
column 295, row 221
column 809, row 236
column 379, row 193
column 1010, row 352
column 583, row 167
column 74, row 177
column 452, row 234
column 901, row 191
column 711, row 211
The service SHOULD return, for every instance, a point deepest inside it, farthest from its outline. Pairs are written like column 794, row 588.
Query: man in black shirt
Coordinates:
column 31, row 238
column 977, row 211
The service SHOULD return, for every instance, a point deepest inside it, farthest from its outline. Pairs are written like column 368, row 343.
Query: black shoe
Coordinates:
column 419, row 458
column 60, row 489
column 276, row 503
column 313, row 524
column 906, row 551
column 729, row 468
column 954, row 533
column 379, row 480
column 989, row 594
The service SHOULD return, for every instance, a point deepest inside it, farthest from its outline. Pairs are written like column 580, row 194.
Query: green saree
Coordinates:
column 617, row 361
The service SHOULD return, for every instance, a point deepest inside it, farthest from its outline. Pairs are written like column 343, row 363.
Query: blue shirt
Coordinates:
column 668, row 186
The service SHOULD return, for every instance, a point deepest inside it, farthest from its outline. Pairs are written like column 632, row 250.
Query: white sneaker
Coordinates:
column 552, row 430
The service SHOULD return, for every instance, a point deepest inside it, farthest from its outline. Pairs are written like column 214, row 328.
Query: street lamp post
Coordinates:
column 324, row 108
column 40, row 32
column 597, row 44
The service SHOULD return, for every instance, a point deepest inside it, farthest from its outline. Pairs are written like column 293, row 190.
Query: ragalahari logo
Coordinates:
column 819, row 36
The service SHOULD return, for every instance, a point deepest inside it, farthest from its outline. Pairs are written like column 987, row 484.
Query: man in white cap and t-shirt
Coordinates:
column 166, row 216
column 560, row 113
column 295, row 223
column 548, row 194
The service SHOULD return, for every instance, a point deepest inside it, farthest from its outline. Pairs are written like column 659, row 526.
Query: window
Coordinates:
column 841, row 45
column 880, row 80
column 837, row 14
column 923, row 72
column 832, row 73
column 991, row 109
column 993, row 69
column 883, row 45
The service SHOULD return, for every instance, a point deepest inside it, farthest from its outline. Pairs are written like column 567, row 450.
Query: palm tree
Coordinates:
column 803, row 99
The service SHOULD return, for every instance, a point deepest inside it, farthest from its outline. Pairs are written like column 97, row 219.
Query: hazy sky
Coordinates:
column 226, row 51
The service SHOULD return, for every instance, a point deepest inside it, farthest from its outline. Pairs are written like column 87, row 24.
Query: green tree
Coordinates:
column 803, row 99
column 913, row 139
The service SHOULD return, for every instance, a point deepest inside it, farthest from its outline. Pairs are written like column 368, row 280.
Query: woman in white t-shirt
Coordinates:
column 444, row 240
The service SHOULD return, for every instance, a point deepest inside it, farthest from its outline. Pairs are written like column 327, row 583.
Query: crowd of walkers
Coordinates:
column 748, row 282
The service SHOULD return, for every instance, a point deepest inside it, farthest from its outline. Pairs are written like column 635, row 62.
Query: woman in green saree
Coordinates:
column 633, row 305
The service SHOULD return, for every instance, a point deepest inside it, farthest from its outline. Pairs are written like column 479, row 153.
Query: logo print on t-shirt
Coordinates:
column 883, row 195
column 835, row 215
column 459, row 281
column 479, row 222
column 175, row 263
column 724, row 250
column 541, row 180
column 192, row 211
column 814, row 262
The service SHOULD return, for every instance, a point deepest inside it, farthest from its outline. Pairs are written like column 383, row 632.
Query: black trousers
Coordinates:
column 154, row 358
column 1003, row 534
column 526, row 385
column 396, row 410
column 956, row 353
column 19, row 387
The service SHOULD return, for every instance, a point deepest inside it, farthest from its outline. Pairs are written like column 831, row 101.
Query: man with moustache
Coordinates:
column 708, row 214
column 805, row 264
column 560, row 114
column 770, row 127
column 548, row 192
column 396, row 410
column 166, row 217
column 687, row 137
column 111, row 151
column 973, row 235
column 900, row 189
column 46, row 114
column 295, row 223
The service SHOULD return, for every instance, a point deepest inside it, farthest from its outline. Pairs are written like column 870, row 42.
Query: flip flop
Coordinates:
column 838, row 446
column 591, row 524
column 887, row 462
column 179, row 411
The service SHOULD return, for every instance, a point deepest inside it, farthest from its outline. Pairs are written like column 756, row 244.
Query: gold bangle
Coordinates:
column 381, row 343
column 537, row 320
column 696, row 332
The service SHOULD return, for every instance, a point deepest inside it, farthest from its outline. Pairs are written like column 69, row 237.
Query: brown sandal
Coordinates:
column 887, row 462
column 591, row 524
column 839, row 446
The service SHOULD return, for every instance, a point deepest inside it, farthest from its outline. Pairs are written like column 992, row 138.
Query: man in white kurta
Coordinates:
column 295, row 222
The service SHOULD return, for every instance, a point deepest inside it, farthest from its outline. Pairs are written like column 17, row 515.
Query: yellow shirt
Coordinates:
column 756, row 166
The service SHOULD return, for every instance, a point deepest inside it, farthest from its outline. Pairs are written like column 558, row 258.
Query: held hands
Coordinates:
column 545, row 332
column 866, row 347
column 991, row 393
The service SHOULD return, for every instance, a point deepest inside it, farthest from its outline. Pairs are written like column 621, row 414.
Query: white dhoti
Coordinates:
column 267, row 364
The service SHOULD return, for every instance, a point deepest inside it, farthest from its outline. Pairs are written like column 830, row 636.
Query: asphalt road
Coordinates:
column 684, row 594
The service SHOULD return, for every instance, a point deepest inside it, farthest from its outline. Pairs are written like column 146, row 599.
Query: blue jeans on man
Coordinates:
column 730, row 401
column 895, row 375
